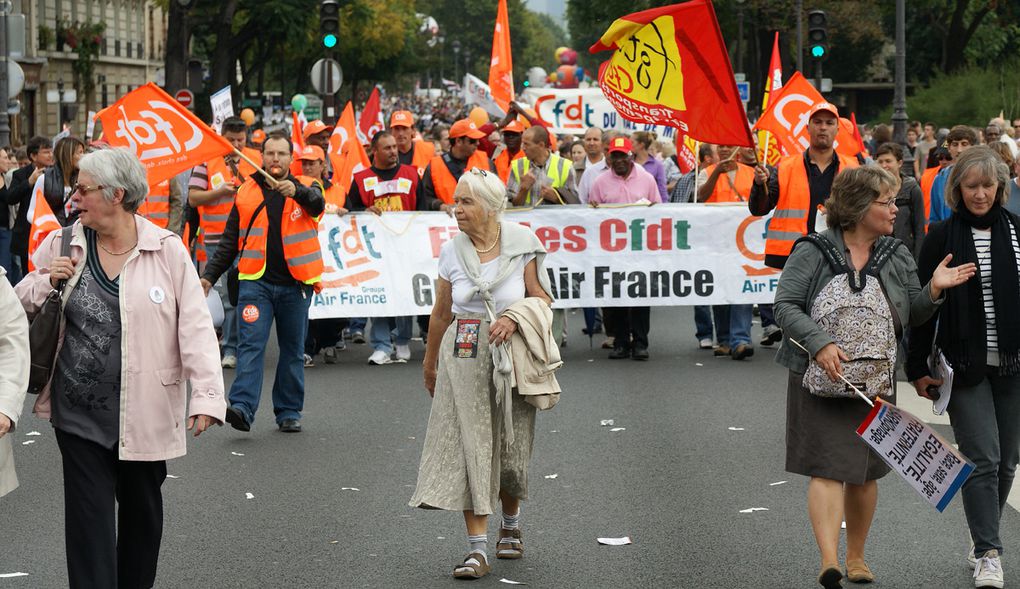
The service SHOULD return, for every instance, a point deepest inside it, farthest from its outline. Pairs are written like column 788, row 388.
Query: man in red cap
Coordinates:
column 798, row 187
column 444, row 171
column 411, row 152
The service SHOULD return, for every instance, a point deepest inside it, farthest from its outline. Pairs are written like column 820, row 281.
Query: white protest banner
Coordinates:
column 477, row 92
column 664, row 255
column 222, row 107
column 913, row 450
column 90, row 126
column 575, row 110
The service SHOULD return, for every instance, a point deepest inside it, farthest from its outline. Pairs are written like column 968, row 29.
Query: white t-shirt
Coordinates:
column 504, row 294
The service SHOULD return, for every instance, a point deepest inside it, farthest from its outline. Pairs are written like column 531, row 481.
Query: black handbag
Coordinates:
column 45, row 329
column 233, row 280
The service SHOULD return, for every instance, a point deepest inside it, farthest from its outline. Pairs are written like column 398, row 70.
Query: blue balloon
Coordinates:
column 580, row 74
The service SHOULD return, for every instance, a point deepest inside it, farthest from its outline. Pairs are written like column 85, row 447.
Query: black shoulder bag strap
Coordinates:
column 65, row 251
column 244, row 241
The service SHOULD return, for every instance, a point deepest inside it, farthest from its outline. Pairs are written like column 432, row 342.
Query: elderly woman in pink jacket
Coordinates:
column 135, row 329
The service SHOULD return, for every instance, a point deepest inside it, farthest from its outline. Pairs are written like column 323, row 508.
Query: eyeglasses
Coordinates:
column 886, row 203
column 479, row 172
column 81, row 188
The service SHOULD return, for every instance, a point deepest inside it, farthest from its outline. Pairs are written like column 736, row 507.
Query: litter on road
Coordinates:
column 736, row 429
column 249, row 495
column 777, row 483
column 552, row 476
column 237, row 454
column 618, row 429
column 509, row 582
column 754, row 509
column 27, row 442
column 606, row 422
column 615, row 541
column 33, row 434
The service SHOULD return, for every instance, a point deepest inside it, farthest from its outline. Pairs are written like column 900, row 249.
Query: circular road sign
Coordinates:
column 185, row 97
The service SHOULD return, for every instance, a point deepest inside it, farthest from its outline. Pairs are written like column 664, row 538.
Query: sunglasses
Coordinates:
column 83, row 189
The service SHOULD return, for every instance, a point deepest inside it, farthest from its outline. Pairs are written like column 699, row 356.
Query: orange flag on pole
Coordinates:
column 670, row 67
column 501, row 67
column 769, row 150
column 371, row 118
column 786, row 118
column 165, row 136
column 345, row 150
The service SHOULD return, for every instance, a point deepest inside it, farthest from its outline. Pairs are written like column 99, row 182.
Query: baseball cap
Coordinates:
column 258, row 136
column 465, row 128
column 401, row 118
column 315, row 127
column 621, row 144
column 312, row 153
column 514, row 127
column 826, row 106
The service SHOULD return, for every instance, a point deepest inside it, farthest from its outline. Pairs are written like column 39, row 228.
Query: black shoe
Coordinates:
column 237, row 420
column 290, row 426
column 742, row 351
column 619, row 353
column 640, row 354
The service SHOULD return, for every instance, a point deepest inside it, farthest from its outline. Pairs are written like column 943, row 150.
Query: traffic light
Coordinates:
column 527, row 83
column 818, row 34
column 329, row 23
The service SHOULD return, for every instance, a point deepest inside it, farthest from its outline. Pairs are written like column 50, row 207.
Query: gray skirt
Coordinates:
column 465, row 462
column 822, row 440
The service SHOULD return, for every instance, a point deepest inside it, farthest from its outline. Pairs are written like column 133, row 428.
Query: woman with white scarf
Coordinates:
column 479, row 438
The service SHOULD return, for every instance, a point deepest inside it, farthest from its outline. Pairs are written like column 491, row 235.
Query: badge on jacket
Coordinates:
column 465, row 345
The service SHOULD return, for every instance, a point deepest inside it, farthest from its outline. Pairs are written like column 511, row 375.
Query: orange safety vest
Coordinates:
column 725, row 191
column 443, row 181
column 503, row 161
column 424, row 151
column 927, row 179
column 298, row 230
column 333, row 195
column 789, row 220
column 156, row 206
column 214, row 215
column 43, row 220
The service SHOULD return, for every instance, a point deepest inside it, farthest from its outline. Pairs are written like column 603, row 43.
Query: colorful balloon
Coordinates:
column 479, row 116
column 299, row 102
column 248, row 116
column 559, row 52
column 568, row 57
column 579, row 74
column 567, row 76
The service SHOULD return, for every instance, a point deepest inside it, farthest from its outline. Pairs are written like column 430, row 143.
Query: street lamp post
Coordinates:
column 467, row 61
column 456, row 59
column 60, row 105
column 899, row 116
column 5, row 123
column 740, row 35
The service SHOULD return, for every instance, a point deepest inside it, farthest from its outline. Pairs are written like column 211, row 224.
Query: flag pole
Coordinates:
column 272, row 181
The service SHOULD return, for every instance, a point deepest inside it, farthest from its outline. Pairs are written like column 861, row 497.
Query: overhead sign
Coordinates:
column 327, row 76
column 185, row 97
column 744, row 89
column 914, row 451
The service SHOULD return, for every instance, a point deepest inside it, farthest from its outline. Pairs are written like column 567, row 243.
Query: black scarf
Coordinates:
column 963, row 339
column 53, row 191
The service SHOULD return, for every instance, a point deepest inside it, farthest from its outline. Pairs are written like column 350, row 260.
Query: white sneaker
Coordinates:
column 229, row 361
column 706, row 344
column 971, row 559
column 403, row 353
column 988, row 572
column 379, row 358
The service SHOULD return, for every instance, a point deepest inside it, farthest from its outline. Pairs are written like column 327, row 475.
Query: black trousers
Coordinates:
column 113, row 516
column 629, row 324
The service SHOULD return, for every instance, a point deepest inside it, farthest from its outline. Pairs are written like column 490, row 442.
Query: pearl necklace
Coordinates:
column 494, row 242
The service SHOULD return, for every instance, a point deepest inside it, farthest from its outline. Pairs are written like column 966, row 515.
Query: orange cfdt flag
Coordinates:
column 165, row 136
column 670, row 67
column 501, row 66
column 769, row 150
column 345, row 150
column 786, row 117
column 371, row 118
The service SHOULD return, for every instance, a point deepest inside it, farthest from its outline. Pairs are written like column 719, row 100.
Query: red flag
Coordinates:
column 501, row 66
column 671, row 68
column 686, row 152
column 346, row 151
column 769, row 150
column 297, row 132
column 371, row 118
column 786, row 117
column 165, row 136
column 857, row 134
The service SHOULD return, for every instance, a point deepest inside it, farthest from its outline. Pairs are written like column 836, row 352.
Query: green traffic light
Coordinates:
column 526, row 83
column 329, row 40
column 818, row 51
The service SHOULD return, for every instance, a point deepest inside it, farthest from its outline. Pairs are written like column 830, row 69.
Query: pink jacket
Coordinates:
column 167, row 339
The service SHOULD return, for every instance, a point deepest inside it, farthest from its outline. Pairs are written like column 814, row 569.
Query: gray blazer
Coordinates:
column 807, row 271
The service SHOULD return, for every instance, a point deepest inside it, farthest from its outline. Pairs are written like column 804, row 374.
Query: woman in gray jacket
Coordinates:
column 821, row 440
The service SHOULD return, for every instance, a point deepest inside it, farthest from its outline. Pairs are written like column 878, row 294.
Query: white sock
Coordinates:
column 479, row 543
column 512, row 522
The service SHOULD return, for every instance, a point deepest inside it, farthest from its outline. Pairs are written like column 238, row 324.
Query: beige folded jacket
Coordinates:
column 535, row 352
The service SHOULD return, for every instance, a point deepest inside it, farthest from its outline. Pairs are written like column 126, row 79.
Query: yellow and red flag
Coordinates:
column 165, row 136
column 769, row 150
column 786, row 118
column 501, row 66
column 670, row 67
column 686, row 152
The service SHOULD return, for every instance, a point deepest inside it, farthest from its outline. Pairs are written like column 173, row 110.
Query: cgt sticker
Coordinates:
column 250, row 314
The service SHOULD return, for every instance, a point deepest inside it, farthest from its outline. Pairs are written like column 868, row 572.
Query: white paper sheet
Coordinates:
column 941, row 369
column 615, row 541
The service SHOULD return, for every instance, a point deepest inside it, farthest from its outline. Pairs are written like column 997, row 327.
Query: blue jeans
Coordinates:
column 703, row 322
column 230, row 334
column 383, row 327
column 986, row 424
column 8, row 261
column 767, row 316
column 357, row 324
column 258, row 303
column 733, row 324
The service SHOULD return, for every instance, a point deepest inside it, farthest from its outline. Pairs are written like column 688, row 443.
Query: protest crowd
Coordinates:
column 925, row 232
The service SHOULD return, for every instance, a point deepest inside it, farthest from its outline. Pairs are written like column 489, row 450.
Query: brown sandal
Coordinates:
column 857, row 571
column 472, row 567
column 511, row 544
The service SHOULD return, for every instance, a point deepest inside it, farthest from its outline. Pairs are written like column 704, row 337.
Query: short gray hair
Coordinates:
column 853, row 191
column 114, row 168
column 991, row 166
column 486, row 187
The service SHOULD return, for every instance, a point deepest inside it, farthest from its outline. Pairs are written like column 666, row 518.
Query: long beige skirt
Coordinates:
column 465, row 462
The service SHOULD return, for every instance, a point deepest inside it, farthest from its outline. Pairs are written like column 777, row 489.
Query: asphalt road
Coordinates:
column 329, row 506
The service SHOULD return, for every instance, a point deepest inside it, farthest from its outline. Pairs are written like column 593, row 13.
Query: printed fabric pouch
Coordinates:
column 852, row 308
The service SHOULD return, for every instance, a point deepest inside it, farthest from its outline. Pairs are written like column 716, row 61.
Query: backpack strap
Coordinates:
column 829, row 250
column 884, row 249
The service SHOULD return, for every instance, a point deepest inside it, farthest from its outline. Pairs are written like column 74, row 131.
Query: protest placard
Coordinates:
column 914, row 451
